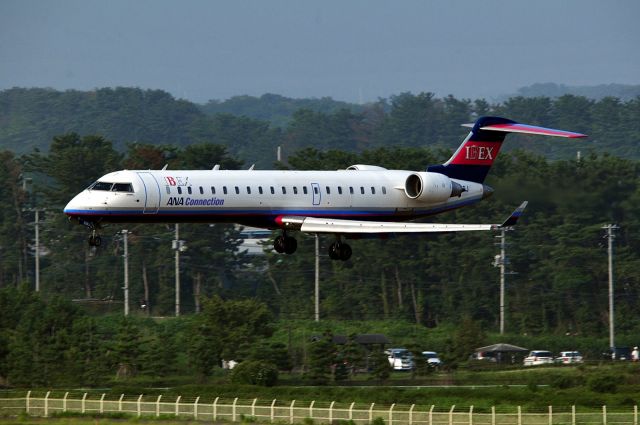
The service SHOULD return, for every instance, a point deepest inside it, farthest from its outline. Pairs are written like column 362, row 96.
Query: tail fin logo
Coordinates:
column 474, row 152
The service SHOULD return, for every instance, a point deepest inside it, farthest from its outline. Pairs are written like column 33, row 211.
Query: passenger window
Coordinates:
column 362, row 190
column 384, row 190
column 189, row 190
column 201, row 190
column 304, row 190
column 260, row 189
column 315, row 189
column 273, row 190
column 328, row 190
column 179, row 190
column 284, row 190
column 339, row 190
column 351, row 190
column 373, row 190
column 168, row 190
column 224, row 189
column 237, row 190
column 295, row 190
column 213, row 190
column 248, row 190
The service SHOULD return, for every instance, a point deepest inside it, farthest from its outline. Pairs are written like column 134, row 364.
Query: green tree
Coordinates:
column 127, row 348
column 322, row 359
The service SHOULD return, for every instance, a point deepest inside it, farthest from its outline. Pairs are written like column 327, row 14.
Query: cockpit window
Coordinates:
column 101, row 186
column 122, row 187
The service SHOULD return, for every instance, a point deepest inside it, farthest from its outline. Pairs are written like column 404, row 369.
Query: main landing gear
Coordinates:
column 285, row 244
column 339, row 251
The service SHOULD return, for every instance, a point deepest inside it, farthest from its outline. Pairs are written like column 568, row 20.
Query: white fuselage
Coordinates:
column 255, row 197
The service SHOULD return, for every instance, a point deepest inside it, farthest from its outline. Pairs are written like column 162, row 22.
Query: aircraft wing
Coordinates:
column 342, row 226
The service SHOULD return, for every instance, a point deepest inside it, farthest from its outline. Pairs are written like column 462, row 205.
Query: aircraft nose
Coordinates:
column 486, row 191
column 72, row 205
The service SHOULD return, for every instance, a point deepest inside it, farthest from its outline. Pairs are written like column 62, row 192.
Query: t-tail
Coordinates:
column 474, row 158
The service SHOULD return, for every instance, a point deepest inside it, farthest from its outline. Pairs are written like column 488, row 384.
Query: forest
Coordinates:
column 557, row 254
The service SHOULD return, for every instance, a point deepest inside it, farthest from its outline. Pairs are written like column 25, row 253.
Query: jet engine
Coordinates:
column 431, row 187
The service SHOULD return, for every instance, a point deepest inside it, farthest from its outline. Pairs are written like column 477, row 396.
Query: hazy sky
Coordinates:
column 349, row 50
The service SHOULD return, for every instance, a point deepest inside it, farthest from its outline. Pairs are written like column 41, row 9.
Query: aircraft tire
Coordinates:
column 279, row 244
column 334, row 251
column 290, row 245
column 345, row 251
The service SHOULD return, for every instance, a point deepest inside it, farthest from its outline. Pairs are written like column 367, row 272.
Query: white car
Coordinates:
column 538, row 357
column 400, row 358
column 568, row 357
column 432, row 358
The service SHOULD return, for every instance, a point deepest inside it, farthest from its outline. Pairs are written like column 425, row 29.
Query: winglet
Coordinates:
column 513, row 218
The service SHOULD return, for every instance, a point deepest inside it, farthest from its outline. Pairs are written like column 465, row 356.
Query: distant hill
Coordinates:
column 274, row 108
column 623, row 92
column 29, row 118
column 248, row 126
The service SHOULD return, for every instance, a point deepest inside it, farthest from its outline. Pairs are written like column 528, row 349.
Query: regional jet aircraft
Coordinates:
column 361, row 200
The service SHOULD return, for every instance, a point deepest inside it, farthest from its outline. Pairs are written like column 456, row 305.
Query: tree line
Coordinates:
column 558, row 251
column 253, row 128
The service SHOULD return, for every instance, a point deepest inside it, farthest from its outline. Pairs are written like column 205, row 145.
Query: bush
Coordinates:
column 564, row 381
column 604, row 383
column 377, row 421
column 255, row 373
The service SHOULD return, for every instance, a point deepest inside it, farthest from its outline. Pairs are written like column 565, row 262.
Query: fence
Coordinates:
column 236, row 410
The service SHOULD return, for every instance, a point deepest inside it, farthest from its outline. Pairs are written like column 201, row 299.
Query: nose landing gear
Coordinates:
column 95, row 239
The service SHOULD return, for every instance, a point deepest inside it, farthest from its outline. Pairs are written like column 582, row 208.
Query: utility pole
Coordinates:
column 501, row 261
column 125, row 234
column 610, row 228
column 178, row 246
column 37, row 253
column 317, row 280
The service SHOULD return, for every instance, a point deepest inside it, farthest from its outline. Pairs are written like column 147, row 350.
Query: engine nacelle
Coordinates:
column 431, row 187
column 365, row 167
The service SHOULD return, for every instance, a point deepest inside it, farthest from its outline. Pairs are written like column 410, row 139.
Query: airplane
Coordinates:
column 358, row 201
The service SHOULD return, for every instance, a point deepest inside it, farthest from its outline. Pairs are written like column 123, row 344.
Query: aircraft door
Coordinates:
column 152, row 193
column 317, row 194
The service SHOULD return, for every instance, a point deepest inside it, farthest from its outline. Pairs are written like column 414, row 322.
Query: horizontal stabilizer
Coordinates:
column 528, row 129
column 513, row 218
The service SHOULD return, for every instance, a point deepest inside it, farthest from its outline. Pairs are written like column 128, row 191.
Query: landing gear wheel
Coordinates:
column 95, row 240
column 340, row 251
column 345, row 252
column 285, row 244
column 290, row 245
column 279, row 244
column 334, row 251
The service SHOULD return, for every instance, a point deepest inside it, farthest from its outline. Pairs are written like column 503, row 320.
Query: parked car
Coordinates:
column 568, row 357
column 432, row 358
column 489, row 356
column 618, row 353
column 538, row 357
column 400, row 358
